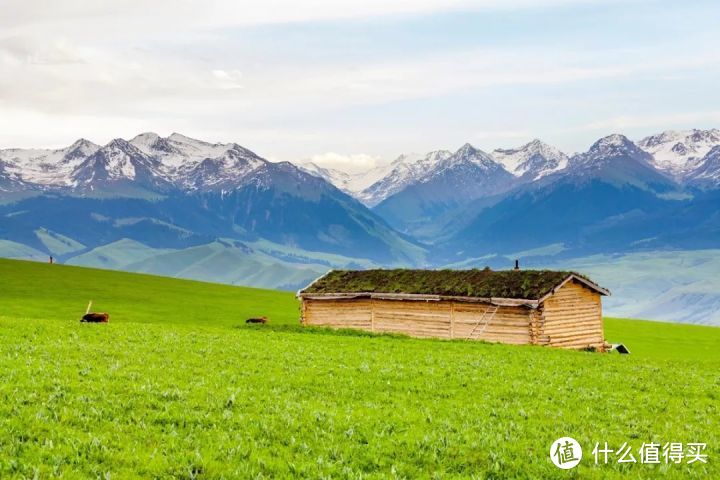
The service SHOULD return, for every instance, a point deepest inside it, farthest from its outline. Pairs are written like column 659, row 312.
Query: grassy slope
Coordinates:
column 199, row 399
column 37, row 290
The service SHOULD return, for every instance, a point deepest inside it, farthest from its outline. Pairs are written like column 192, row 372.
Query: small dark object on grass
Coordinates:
column 620, row 348
column 257, row 320
column 95, row 318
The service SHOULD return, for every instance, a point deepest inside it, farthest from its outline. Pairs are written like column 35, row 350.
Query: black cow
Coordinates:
column 257, row 320
column 95, row 318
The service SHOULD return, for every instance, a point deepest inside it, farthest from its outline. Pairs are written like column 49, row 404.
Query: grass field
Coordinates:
column 176, row 386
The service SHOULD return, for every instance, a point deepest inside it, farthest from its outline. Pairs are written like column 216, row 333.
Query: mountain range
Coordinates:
column 218, row 211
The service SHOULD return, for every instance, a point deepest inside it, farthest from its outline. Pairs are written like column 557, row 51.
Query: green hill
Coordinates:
column 39, row 290
column 176, row 386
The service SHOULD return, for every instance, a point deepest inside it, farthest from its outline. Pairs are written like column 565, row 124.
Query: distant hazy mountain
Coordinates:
column 351, row 183
column 341, row 180
column 607, row 199
column 528, row 162
column 677, row 154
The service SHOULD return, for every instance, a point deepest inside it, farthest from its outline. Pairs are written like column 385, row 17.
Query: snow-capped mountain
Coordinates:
column 353, row 184
column 707, row 174
column 529, row 162
column 616, row 159
column 604, row 200
column 608, row 150
column 180, row 192
column 46, row 167
column 341, row 180
column 466, row 157
column 468, row 172
column 532, row 161
column 192, row 164
column 8, row 182
column 405, row 170
column 118, row 162
column 447, row 184
column 146, row 161
column 186, row 164
column 679, row 153
column 177, row 150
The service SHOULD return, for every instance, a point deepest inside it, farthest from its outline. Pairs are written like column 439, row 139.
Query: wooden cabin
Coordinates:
column 536, row 307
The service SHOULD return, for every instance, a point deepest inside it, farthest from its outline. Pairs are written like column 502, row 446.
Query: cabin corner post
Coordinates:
column 372, row 315
column 534, row 326
column 303, row 309
column 603, row 343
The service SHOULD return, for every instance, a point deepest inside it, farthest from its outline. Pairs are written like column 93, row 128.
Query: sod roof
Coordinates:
column 516, row 284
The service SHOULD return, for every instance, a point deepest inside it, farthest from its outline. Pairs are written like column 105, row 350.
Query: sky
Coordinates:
column 350, row 84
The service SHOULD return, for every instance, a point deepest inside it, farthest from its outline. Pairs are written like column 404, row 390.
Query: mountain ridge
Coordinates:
column 218, row 211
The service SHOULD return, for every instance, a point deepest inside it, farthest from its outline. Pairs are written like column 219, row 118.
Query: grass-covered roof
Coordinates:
column 516, row 284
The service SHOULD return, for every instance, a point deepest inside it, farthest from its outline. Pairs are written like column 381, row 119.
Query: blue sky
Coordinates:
column 355, row 83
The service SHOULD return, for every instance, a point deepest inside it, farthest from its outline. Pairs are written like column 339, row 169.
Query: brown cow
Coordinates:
column 95, row 318
column 257, row 320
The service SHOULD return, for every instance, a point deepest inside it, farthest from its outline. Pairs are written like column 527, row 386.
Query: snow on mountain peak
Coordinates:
column 707, row 174
column 612, row 147
column 468, row 153
column 617, row 159
column 404, row 170
column 148, row 159
column 533, row 160
column 467, row 150
column 119, row 144
column 145, row 140
column 115, row 161
column 82, row 143
column 79, row 150
column 679, row 152
column 438, row 155
column 179, row 138
column 613, row 141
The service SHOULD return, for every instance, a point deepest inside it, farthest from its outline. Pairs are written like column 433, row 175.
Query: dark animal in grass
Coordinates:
column 257, row 320
column 95, row 318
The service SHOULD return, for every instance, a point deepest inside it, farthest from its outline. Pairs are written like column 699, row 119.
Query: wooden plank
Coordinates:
column 452, row 319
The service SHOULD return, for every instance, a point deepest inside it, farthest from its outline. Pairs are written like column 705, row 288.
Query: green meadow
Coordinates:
column 177, row 386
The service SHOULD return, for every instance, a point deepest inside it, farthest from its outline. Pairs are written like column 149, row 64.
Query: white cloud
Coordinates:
column 228, row 80
column 166, row 15
column 622, row 122
column 104, row 69
column 359, row 162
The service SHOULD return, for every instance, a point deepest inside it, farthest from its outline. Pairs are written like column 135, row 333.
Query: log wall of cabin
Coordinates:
column 571, row 318
column 436, row 319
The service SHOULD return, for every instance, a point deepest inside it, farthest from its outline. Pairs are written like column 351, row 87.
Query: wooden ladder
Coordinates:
column 487, row 315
